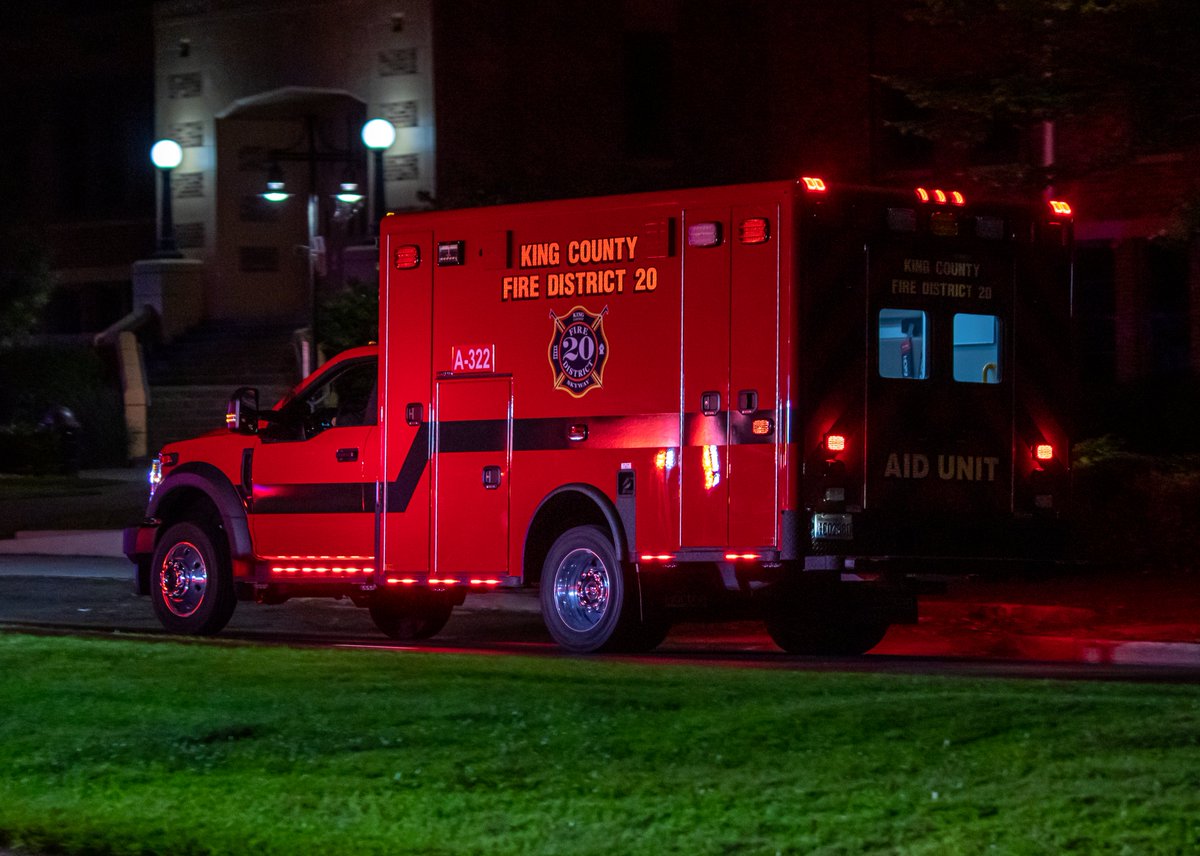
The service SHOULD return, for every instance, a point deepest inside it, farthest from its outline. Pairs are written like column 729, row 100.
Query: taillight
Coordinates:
column 835, row 443
column 1043, row 452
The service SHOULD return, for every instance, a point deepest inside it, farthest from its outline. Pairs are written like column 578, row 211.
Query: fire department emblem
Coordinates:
column 578, row 350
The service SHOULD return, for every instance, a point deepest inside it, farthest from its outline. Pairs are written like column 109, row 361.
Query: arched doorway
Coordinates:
column 273, row 260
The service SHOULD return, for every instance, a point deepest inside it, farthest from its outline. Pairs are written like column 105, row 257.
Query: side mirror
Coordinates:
column 241, row 417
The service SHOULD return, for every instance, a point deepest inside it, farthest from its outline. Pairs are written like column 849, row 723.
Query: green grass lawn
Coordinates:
column 190, row 748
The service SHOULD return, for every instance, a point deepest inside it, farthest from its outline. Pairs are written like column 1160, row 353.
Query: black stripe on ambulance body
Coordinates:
column 701, row 430
column 475, row 435
column 328, row 498
column 400, row 492
column 490, row 435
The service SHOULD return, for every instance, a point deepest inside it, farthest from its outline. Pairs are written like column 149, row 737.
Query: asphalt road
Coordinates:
column 79, row 595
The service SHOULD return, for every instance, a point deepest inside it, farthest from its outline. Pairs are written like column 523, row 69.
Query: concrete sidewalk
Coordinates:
column 65, row 542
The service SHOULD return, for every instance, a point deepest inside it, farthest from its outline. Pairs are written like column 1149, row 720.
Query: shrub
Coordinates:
column 25, row 285
column 1136, row 509
column 350, row 318
column 34, row 381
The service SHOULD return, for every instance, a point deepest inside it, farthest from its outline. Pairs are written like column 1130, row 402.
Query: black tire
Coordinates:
column 191, row 581
column 648, row 633
column 808, row 633
column 588, row 597
column 412, row 615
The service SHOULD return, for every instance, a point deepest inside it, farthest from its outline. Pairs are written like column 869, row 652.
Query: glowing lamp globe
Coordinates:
column 166, row 154
column 378, row 134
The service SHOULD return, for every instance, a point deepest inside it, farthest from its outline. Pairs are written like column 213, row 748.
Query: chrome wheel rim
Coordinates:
column 183, row 579
column 582, row 589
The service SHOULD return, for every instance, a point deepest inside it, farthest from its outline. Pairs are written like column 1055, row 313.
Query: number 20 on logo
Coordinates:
column 578, row 350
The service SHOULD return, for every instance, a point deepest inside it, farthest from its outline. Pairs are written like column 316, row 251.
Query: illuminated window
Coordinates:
column 976, row 348
column 902, row 344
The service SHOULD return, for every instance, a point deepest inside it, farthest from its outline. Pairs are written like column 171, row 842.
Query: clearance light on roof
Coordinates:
column 704, row 235
column 813, row 184
column 408, row 256
column 1043, row 452
column 941, row 197
column 756, row 230
column 1060, row 208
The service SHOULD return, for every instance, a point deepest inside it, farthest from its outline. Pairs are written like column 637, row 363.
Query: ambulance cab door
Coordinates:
column 704, row 499
column 753, row 376
column 312, row 472
column 472, row 454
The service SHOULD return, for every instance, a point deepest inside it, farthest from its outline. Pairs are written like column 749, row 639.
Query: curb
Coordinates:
column 104, row 543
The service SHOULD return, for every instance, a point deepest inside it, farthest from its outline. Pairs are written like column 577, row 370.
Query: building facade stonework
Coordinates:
column 252, row 88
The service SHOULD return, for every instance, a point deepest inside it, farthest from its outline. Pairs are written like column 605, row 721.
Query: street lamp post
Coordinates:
column 378, row 136
column 166, row 155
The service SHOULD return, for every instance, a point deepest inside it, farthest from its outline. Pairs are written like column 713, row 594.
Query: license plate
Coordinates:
column 837, row 526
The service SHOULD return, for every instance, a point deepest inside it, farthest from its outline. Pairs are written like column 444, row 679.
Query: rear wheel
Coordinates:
column 412, row 615
column 648, row 633
column 804, row 632
column 589, row 600
column 191, row 582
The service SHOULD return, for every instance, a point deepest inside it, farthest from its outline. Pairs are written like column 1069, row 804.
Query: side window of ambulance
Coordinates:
column 903, row 342
column 343, row 399
column 976, row 348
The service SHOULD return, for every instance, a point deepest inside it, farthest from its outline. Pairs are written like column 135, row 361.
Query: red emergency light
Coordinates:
column 408, row 256
column 941, row 197
column 756, row 230
column 814, row 184
column 1060, row 208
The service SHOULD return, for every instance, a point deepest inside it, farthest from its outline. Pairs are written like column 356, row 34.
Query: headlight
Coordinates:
column 155, row 474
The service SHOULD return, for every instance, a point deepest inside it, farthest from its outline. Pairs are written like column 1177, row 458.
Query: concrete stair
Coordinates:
column 192, row 378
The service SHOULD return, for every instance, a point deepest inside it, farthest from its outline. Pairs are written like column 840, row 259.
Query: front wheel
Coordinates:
column 191, row 582
column 588, row 598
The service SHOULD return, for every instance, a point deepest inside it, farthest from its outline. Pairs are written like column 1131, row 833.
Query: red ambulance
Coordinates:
column 785, row 399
